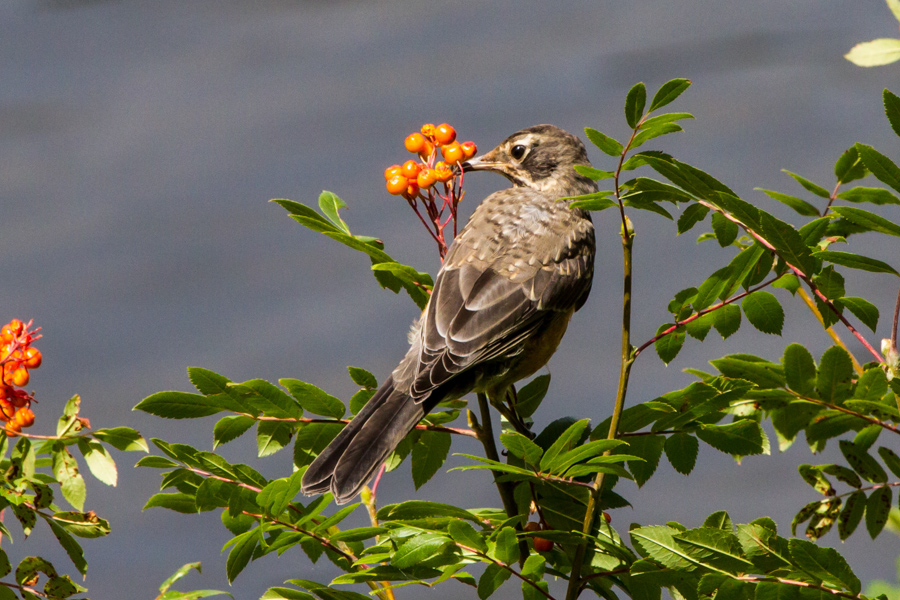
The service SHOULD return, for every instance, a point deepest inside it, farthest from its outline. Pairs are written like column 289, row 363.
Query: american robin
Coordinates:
column 500, row 305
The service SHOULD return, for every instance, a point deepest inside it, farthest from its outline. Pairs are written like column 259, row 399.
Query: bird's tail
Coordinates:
column 348, row 462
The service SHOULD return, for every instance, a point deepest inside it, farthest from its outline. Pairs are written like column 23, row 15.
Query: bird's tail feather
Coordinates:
column 348, row 462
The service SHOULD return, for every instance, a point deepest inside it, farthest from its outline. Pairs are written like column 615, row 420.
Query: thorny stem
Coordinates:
column 503, row 565
column 699, row 314
column 801, row 275
column 829, row 330
column 486, row 436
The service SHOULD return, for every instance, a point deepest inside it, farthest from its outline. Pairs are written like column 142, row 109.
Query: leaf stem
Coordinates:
column 815, row 586
column 503, row 565
column 829, row 329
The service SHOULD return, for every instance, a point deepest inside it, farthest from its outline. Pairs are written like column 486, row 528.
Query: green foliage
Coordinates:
column 564, row 476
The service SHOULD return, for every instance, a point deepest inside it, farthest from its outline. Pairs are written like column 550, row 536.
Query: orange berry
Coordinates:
column 7, row 335
column 20, row 399
column 469, row 149
column 17, row 326
column 20, row 377
column 12, row 428
column 397, row 184
column 428, row 130
column 426, row 178
column 532, row 526
column 24, row 417
column 7, row 411
column 411, row 169
column 452, row 153
column 33, row 358
column 414, row 142
column 542, row 545
column 443, row 172
column 413, row 190
column 391, row 171
column 444, row 134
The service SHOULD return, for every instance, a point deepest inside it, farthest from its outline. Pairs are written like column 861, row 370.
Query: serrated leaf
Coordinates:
column 465, row 534
column 849, row 167
column 567, row 440
column 492, row 578
column 668, row 92
column 855, row 261
column 634, row 104
column 278, row 494
column 862, row 309
column 851, row 514
column 649, row 132
column 824, row 564
column 740, row 438
column 835, row 371
column 65, row 469
column 179, row 502
column 891, row 460
column 881, row 51
column 418, row 549
column 799, row 369
column 506, row 547
column 125, row 439
column 230, row 428
column 764, row 312
column 869, row 220
column 240, row 554
column 177, row 405
column 605, row 143
column 743, row 366
column 362, row 378
column 667, row 347
column 809, row 186
column 650, row 449
column 529, row 397
column 877, row 196
column 524, row 448
column 330, row 204
column 313, row 399
column 787, row 242
column 272, row 436
column 428, row 455
column 880, row 165
column 799, row 205
column 877, row 508
column 692, row 215
column 861, row 462
column 891, row 101
column 727, row 320
column 726, row 231
column 595, row 204
column 681, row 450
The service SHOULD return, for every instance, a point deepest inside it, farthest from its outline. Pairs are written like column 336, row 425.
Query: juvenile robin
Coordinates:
column 501, row 302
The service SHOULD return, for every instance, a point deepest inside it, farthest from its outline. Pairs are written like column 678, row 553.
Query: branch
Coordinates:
column 801, row 275
column 699, row 314
column 848, row 411
column 503, row 565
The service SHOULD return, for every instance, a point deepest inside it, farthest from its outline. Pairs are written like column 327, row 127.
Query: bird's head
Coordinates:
column 542, row 157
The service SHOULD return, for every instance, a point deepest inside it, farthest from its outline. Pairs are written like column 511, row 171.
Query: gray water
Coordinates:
column 140, row 141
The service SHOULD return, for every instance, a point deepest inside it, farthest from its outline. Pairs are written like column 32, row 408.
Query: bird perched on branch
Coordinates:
column 500, row 305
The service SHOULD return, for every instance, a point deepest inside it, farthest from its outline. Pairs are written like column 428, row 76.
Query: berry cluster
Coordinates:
column 436, row 184
column 17, row 356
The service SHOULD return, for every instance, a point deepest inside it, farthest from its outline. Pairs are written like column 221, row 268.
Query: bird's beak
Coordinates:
column 485, row 162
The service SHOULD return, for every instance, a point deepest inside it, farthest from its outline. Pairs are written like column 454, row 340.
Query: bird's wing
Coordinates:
column 519, row 259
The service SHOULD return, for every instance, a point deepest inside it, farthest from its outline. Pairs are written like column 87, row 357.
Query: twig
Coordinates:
column 503, row 565
column 757, row 579
column 858, row 415
column 829, row 329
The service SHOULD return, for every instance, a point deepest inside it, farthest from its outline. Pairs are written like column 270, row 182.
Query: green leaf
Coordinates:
column 596, row 175
column 727, row 320
column 65, row 469
column 529, row 398
column 835, row 371
column 891, row 101
column 726, row 231
column 692, row 215
column 272, row 436
column 862, row 462
column 506, row 547
column 466, row 535
column 283, row 593
column 716, row 548
column 421, row 509
column 658, row 542
column 855, row 261
column 880, row 165
column 363, row 378
column 648, row 132
column 799, row 369
column 830, row 283
column 669, row 92
column 851, row 515
column 311, row 440
column 849, row 167
column 428, row 455
column 524, row 448
column 278, row 494
column 125, row 439
column 606, row 144
column 824, row 564
column 864, row 310
column 787, row 242
column 241, row 552
column 634, row 104
column 681, row 450
column 667, row 347
column 877, row 508
column 179, row 502
column 800, row 206
column 414, row 282
column 564, row 442
column 156, row 462
column 650, row 449
column 98, row 460
column 330, row 204
column 177, row 405
column 86, row 525
column 881, row 51
column 869, row 220
column 740, row 438
column 595, row 204
column 764, row 312
column 877, row 196
column 69, row 544
column 230, row 428
column 891, row 460
column 743, row 366
column 313, row 399
column 809, row 186
column 492, row 578
column 418, row 549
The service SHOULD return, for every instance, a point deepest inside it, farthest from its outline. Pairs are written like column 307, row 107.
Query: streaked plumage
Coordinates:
column 501, row 302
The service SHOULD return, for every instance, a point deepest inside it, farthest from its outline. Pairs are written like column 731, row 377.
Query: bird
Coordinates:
column 500, row 304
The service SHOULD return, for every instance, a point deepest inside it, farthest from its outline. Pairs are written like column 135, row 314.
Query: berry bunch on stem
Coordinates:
column 17, row 356
column 436, row 185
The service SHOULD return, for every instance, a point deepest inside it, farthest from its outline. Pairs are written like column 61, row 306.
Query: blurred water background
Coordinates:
column 140, row 141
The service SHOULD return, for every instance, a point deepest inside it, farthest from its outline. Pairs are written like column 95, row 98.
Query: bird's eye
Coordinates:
column 518, row 151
